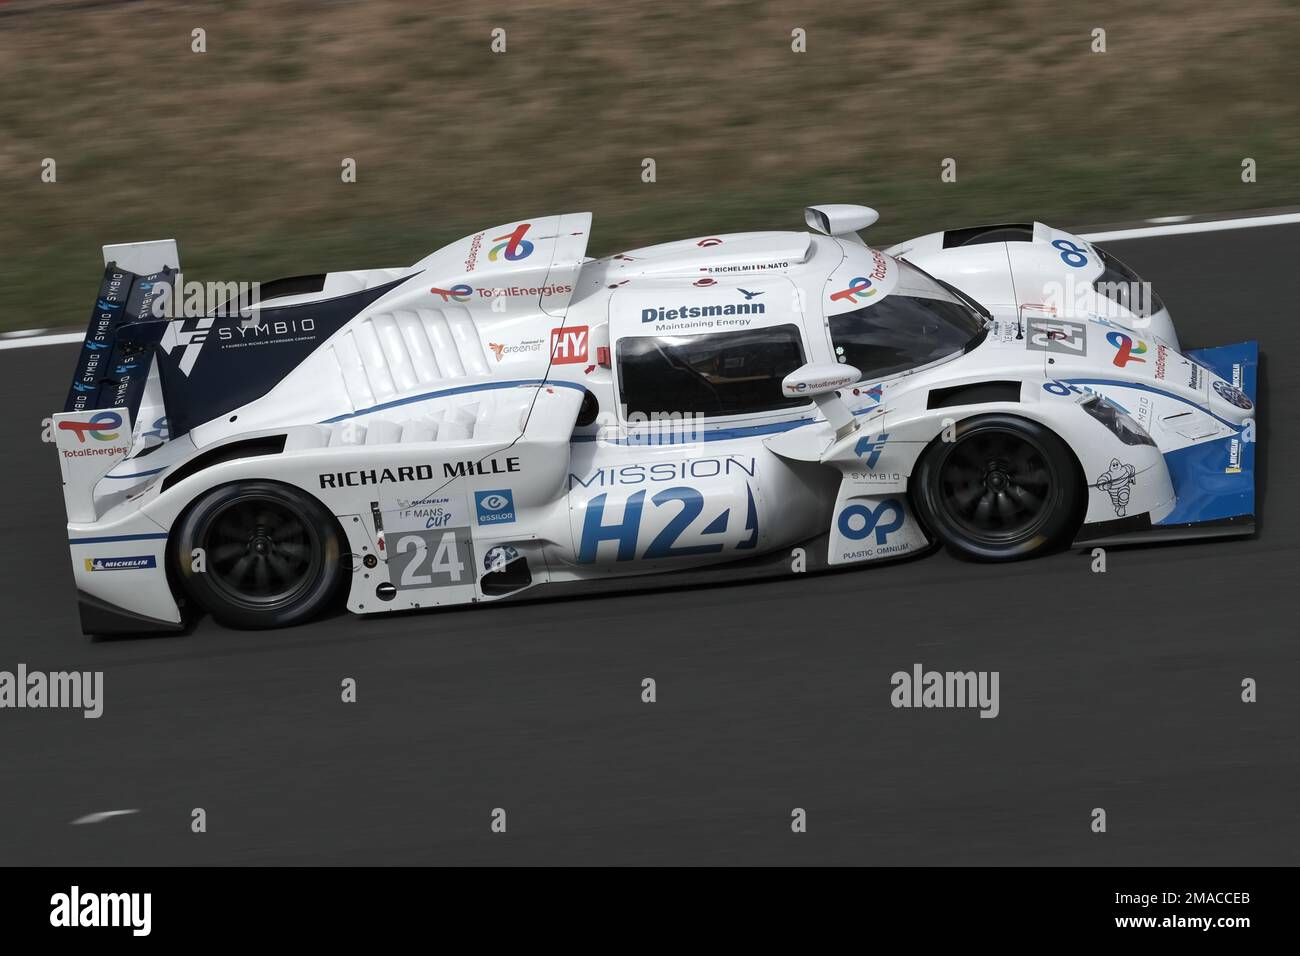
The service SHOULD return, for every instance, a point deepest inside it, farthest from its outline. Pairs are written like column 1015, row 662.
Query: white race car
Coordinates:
column 510, row 418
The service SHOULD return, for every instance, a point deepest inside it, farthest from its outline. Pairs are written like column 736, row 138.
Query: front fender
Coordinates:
column 1122, row 480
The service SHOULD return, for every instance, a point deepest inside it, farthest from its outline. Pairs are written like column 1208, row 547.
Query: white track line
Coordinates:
column 61, row 339
column 101, row 816
column 1141, row 232
column 1183, row 228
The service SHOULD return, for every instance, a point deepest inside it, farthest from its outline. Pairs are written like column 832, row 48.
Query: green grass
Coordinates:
column 236, row 153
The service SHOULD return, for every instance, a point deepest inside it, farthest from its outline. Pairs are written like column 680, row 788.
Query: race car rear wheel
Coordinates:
column 1005, row 488
column 271, row 554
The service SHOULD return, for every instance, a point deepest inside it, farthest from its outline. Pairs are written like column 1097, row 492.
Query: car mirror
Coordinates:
column 818, row 378
column 840, row 219
column 821, row 383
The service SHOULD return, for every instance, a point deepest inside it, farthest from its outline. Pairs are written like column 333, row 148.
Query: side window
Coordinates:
column 718, row 373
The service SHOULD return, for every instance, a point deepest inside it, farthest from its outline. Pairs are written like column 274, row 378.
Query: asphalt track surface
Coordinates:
column 1118, row 690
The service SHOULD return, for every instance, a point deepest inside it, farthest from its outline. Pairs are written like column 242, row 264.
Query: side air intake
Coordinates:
column 981, row 393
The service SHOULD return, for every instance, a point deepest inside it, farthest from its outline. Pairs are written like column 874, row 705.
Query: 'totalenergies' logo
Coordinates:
column 1127, row 349
column 457, row 293
column 858, row 286
column 513, row 245
column 97, row 428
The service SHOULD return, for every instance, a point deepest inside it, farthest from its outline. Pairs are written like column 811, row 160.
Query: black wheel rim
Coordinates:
column 260, row 553
column 998, row 487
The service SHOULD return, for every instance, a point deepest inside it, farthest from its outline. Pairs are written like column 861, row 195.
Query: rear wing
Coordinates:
column 94, row 430
column 117, row 355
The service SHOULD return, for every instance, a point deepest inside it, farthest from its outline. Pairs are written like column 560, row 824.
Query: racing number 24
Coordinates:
column 444, row 563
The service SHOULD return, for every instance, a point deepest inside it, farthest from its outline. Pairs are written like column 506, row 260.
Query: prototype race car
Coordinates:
column 509, row 418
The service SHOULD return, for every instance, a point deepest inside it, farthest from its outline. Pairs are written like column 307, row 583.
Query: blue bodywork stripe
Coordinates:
column 719, row 434
column 137, row 474
column 1117, row 383
column 458, row 390
column 119, row 537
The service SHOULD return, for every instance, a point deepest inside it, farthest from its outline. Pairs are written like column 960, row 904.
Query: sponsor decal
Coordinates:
column 1054, row 335
column 871, row 526
column 513, row 246
column 1234, row 457
column 191, row 335
column 569, row 345
column 859, row 288
column 858, row 521
column 874, row 477
column 1231, row 394
column 747, row 294
column 1127, row 349
column 661, row 314
column 835, row 381
column 98, row 428
column 121, row 564
column 457, row 293
column 1071, row 254
column 1194, row 377
column 1004, row 332
column 376, row 476
column 879, row 265
column 872, row 449
column 433, row 512
column 711, row 521
column 471, row 260
column 498, row 557
column 873, row 394
column 495, row 507
column 501, row 350
column 543, row 291
column 748, row 267
column 488, row 466
column 694, row 468
column 1162, row 351
column 705, row 243
column 1118, row 481
column 702, row 283
column 1068, row 389
column 159, row 430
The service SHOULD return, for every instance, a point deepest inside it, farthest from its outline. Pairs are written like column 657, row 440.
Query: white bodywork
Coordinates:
column 445, row 426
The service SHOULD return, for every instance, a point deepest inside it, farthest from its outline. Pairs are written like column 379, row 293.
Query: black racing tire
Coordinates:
column 1004, row 489
column 272, row 555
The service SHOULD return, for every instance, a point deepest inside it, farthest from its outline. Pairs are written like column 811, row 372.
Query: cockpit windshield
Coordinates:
column 919, row 322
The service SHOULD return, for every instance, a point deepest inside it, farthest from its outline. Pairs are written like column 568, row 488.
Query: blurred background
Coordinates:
column 237, row 152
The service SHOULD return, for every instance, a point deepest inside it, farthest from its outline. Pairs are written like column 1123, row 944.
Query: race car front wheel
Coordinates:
column 1004, row 488
column 259, row 554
